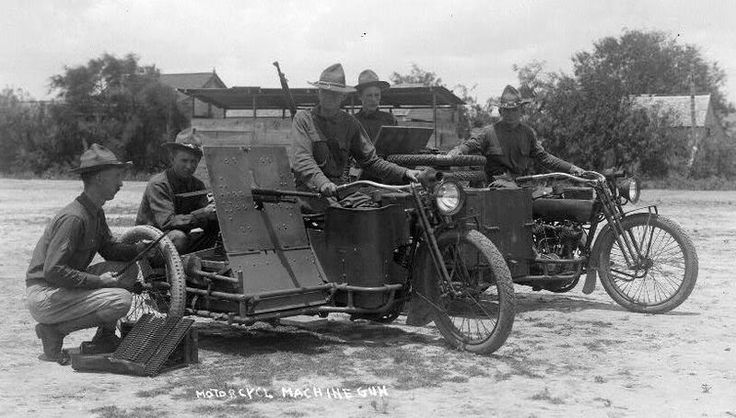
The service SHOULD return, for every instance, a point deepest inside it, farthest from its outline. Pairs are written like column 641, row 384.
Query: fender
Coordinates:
column 592, row 270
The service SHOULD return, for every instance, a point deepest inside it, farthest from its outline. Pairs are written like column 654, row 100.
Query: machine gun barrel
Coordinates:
column 257, row 193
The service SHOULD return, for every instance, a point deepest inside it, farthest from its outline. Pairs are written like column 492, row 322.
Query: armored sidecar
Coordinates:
column 274, row 262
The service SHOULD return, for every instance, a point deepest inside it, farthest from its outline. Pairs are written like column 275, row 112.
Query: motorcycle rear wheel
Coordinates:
column 162, row 290
column 666, row 276
column 475, row 311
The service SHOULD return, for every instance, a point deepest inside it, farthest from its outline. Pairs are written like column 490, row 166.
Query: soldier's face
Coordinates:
column 511, row 116
column 109, row 181
column 370, row 97
column 330, row 100
column 184, row 163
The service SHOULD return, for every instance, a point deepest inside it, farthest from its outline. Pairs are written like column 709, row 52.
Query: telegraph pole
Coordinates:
column 693, row 129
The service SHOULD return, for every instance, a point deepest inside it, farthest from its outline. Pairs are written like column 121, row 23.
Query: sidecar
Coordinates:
column 274, row 263
column 266, row 266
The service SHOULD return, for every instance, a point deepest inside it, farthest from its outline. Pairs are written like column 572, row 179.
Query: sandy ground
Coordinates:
column 568, row 355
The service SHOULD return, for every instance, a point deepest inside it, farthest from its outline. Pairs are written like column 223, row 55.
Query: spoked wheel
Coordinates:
column 661, row 277
column 474, row 311
column 161, row 289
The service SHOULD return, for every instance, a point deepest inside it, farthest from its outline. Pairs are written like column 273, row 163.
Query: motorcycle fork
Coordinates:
column 631, row 249
column 431, row 240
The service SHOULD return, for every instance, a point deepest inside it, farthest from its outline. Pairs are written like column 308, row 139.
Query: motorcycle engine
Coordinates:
column 558, row 240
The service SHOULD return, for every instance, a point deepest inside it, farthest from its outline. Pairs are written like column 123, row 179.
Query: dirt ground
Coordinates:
column 568, row 355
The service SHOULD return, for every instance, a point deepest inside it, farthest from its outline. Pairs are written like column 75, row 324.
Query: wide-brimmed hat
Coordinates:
column 98, row 158
column 368, row 78
column 333, row 79
column 188, row 140
column 511, row 98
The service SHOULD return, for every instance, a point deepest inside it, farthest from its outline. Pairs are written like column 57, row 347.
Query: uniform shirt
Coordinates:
column 373, row 121
column 160, row 204
column 321, row 147
column 510, row 148
column 70, row 242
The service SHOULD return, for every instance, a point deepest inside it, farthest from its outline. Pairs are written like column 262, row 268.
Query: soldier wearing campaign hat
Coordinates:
column 324, row 137
column 176, row 201
column 510, row 145
column 63, row 292
column 370, row 88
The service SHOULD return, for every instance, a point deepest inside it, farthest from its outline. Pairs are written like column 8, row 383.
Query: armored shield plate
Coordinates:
column 266, row 242
column 242, row 226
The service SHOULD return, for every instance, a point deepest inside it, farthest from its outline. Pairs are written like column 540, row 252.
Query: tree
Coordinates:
column 652, row 63
column 417, row 76
column 116, row 102
column 588, row 117
column 25, row 132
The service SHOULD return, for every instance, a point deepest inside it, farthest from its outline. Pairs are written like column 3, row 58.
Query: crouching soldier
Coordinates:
column 175, row 201
column 63, row 292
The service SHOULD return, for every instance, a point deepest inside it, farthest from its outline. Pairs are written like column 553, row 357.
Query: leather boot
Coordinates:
column 53, row 341
column 104, row 341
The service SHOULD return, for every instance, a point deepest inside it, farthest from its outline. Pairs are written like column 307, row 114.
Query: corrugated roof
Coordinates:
column 272, row 98
column 189, row 80
column 679, row 106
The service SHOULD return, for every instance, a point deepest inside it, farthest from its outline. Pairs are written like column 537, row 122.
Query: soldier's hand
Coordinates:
column 181, row 220
column 109, row 279
column 412, row 175
column 328, row 189
column 577, row 171
column 454, row 152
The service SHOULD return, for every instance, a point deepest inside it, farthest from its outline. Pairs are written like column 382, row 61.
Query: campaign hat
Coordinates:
column 188, row 140
column 333, row 79
column 511, row 98
column 98, row 158
column 368, row 78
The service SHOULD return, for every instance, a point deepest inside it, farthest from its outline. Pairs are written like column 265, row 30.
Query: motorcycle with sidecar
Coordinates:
column 274, row 262
column 557, row 227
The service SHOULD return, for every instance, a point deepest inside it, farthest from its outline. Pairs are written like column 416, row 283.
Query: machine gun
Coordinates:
column 285, row 87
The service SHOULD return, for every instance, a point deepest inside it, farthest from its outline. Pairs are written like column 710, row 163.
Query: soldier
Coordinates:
column 166, row 206
column 509, row 145
column 324, row 137
column 370, row 117
column 63, row 292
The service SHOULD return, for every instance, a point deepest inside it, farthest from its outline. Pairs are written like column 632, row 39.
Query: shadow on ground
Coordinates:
column 529, row 302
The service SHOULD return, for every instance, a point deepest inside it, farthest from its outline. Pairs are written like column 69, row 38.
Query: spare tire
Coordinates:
column 464, row 176
column 437, row 160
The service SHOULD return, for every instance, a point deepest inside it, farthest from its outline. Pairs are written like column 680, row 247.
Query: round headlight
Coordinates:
column 449, row 197
column 630, row 189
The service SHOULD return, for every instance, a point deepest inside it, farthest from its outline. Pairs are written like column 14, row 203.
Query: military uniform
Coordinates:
column 373, row 121
column 60, row 284
column 509, row 149
column 63, row 292
column 321, row 147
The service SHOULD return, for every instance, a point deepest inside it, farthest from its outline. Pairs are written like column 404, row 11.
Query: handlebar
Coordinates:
column 597, row 177
column 405, row 187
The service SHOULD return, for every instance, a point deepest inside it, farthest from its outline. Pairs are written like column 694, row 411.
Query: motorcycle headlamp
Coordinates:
column 629, row 189
column 449, row 197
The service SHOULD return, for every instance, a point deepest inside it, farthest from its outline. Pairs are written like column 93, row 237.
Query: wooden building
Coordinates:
column 693, row 119
column 191, row 106
column 255, row 115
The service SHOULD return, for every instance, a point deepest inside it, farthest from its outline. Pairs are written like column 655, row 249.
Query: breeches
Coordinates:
column 53, row 305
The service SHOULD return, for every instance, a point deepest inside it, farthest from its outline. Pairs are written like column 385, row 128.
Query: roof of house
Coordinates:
column 679, row 106
column 273, row 98
column 191, row 80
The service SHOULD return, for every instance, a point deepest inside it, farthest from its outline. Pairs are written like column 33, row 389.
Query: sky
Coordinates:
column 474, row 43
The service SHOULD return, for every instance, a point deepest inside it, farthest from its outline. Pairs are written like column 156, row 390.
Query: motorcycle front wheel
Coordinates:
column 661, row 277
column 474, row 310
